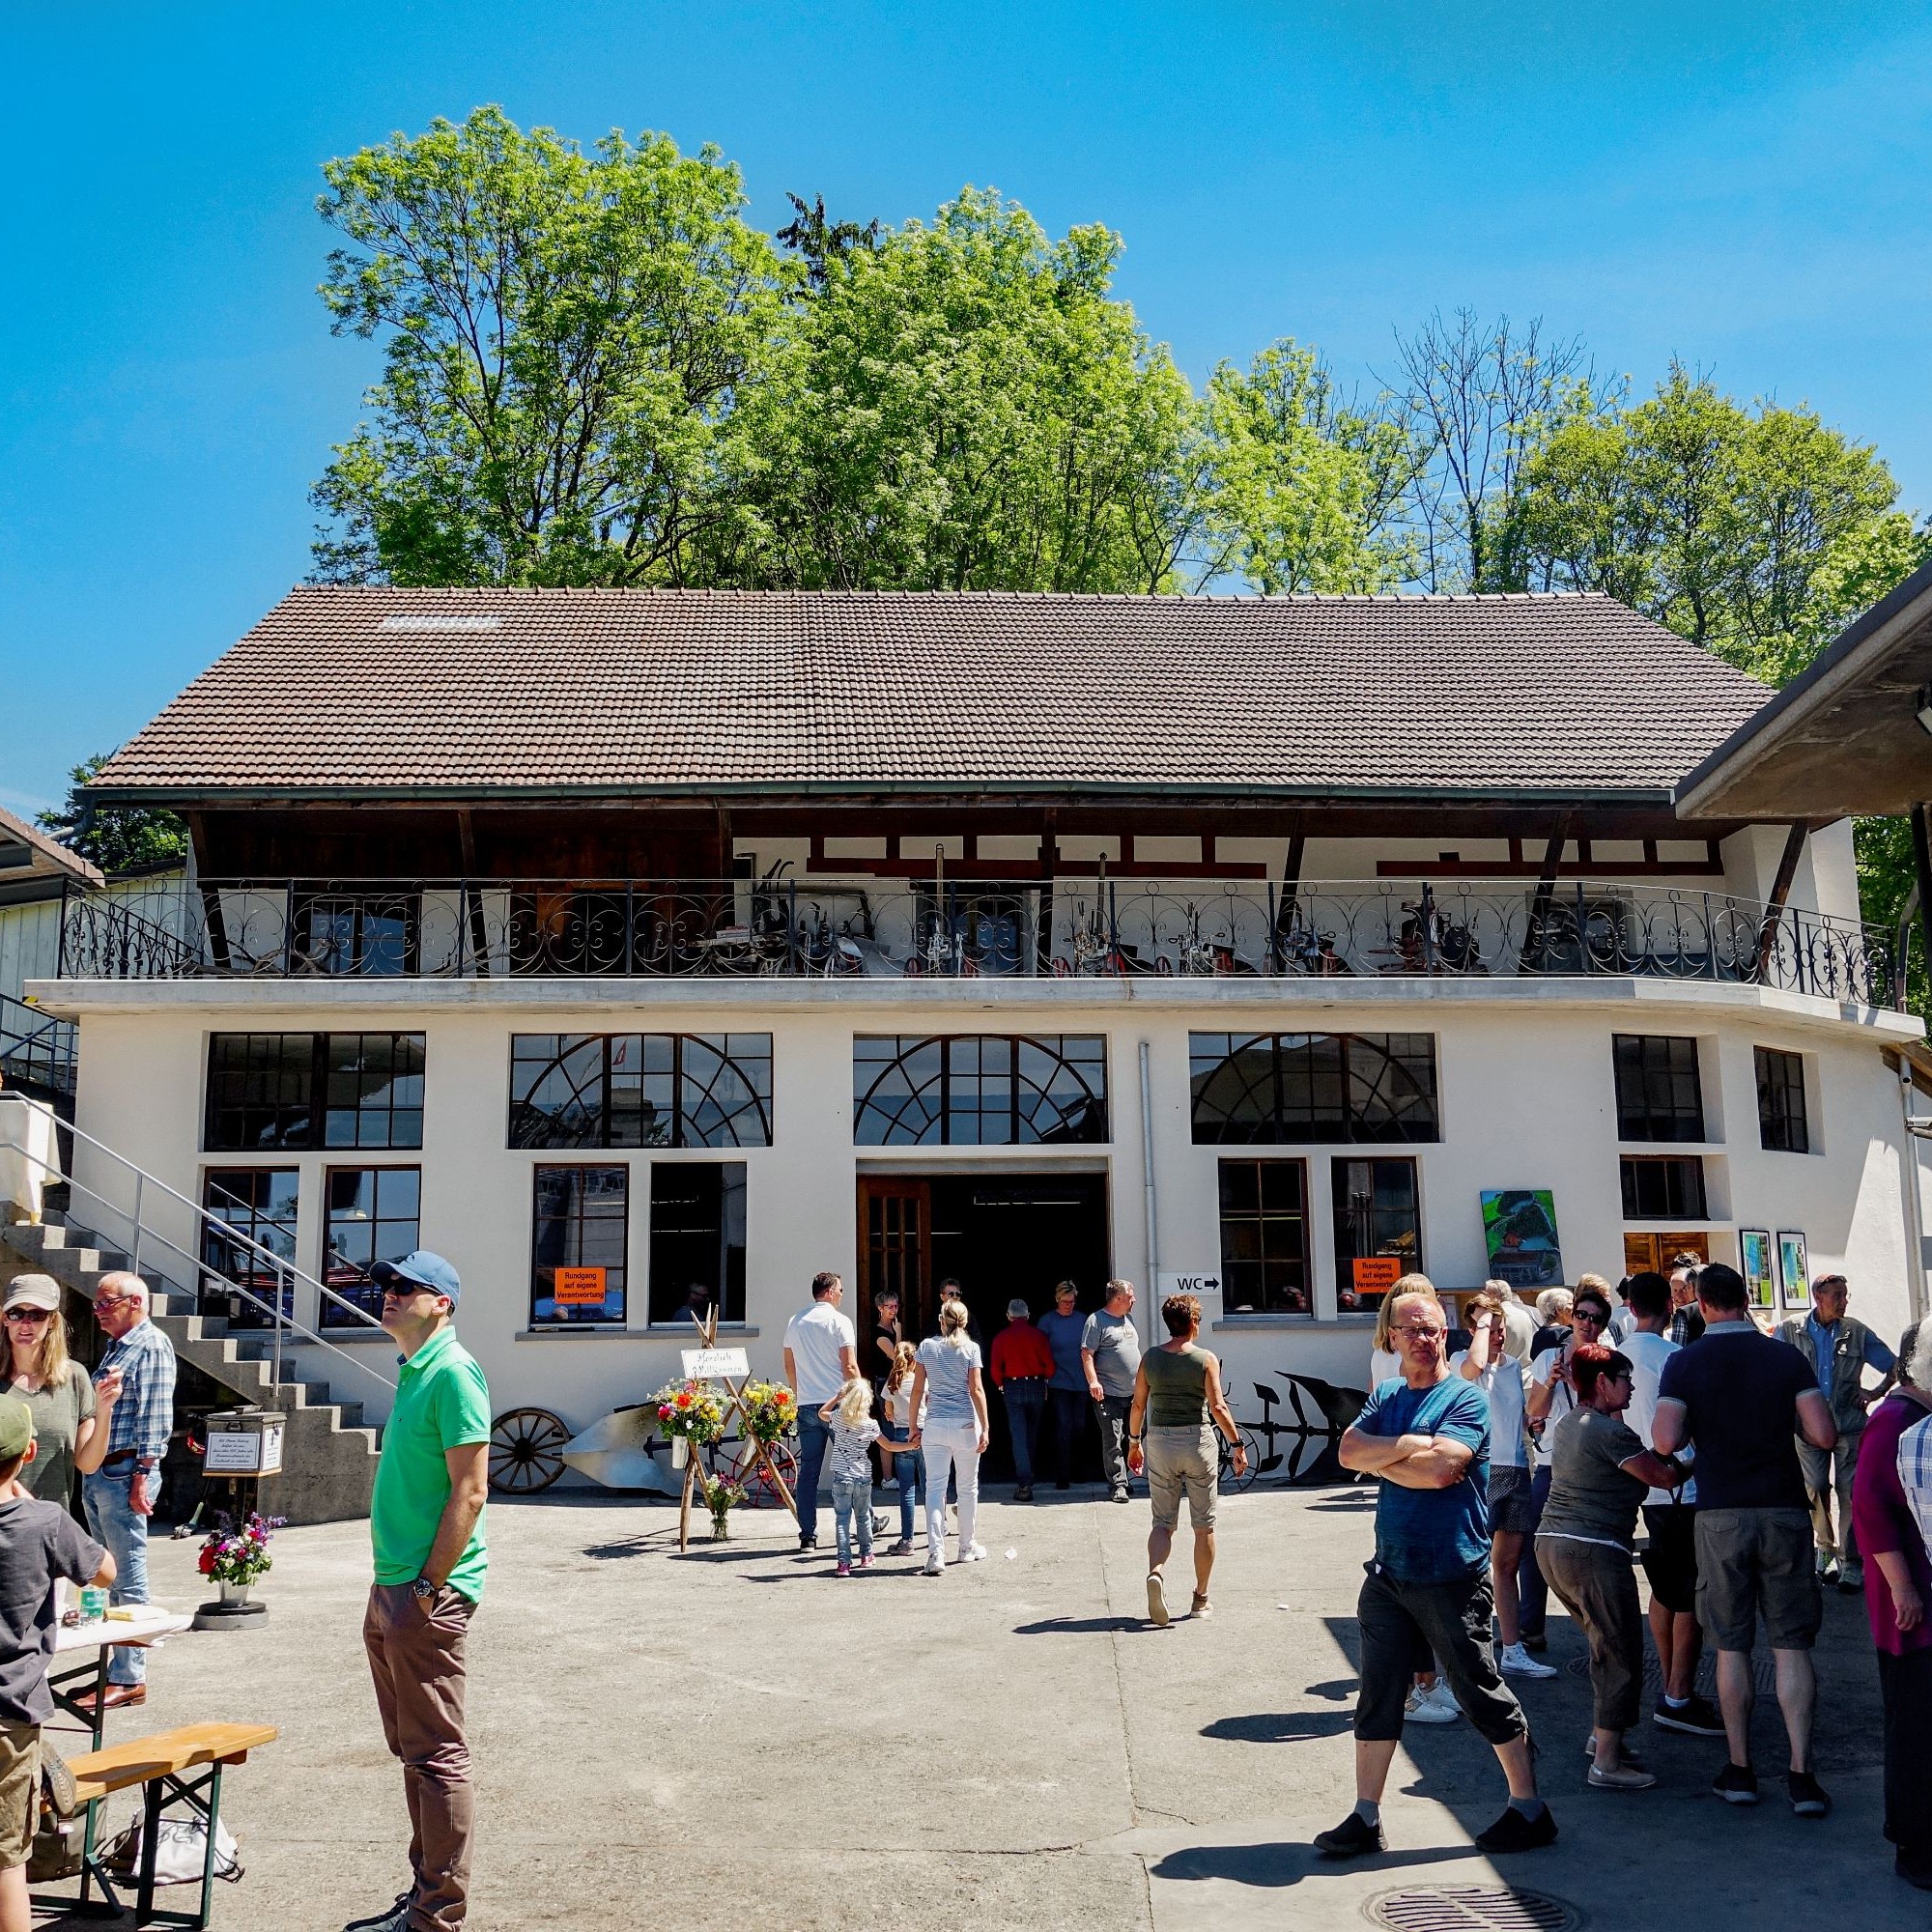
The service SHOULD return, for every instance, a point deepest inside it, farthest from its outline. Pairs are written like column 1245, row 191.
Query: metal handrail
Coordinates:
column 942, row 925
column 142, row 1233
column 38, row 1040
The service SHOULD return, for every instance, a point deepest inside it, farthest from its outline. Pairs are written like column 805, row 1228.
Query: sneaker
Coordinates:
column 1697, row 1717
column 1852, row 1578
column 1023, row 1493
column 1736, row 1785
column 935, row 1565
column 1536, row 1641
column 1199, row 1606
column 1157, row 1601
column 1352, row 1838
column 902, row 1548
column 976, row 1555
column 1913, row 1874
column 1122, row 1496
column 807, row 1543
column 1828, row 1567
column 391, row 1918
column 866, row 1561
column 1513, row 1833
column 1434, row 1705
column 1627, row 1775
column 1809, row 1798
column 1517, row 1661
column 843, row 1570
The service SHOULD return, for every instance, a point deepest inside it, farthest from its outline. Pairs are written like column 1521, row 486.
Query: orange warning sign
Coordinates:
column 1377, row 1274
column 578, row 1288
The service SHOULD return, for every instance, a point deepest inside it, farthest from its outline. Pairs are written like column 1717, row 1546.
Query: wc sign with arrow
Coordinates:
column 1207, row 1284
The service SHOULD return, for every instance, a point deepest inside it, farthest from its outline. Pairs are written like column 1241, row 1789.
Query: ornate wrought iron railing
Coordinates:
column 829, row 927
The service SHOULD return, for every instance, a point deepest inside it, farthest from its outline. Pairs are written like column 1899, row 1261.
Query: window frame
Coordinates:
column 242, row 1313
column 362, row 1293
column 1263, row 1219
column 602, row 1317
column 314, row 1105
column 743, row 1056
column 1641, row 1122
column 1362, row 1064
column 1631, row 1165
column 730, row 1291
column 1780, row 1073
column 1027, row 1096
column 1351, row 1301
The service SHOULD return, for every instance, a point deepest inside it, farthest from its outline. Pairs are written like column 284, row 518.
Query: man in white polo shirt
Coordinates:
column 822, row 1356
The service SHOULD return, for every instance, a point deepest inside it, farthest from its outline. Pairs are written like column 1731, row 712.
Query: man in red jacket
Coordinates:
column 1021, row 1365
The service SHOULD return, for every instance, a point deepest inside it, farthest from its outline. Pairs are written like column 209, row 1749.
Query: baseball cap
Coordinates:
column 33, row 1290
column 17, row 1428
column 422, row 1269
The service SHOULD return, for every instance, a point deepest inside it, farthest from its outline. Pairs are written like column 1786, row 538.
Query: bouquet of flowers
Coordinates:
column 720, row 1497
column 694, row 1410
column 238, row 1554
column 769, row 1409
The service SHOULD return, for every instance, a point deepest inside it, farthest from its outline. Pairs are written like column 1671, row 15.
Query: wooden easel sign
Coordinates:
column 733, row 1368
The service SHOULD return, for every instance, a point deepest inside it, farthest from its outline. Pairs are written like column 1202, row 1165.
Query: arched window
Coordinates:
column 978, row 1090
column 671, row 1090
column 1274, row 1088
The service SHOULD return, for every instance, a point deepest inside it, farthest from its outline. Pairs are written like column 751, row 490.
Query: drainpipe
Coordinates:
column 1147, row 1193
column 1914, row 1219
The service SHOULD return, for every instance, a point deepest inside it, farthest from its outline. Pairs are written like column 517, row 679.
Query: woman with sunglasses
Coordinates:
column 1600, row 1472
column 71, row 1412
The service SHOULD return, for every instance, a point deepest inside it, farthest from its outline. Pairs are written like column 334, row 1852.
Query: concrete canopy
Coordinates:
column 1844, row 739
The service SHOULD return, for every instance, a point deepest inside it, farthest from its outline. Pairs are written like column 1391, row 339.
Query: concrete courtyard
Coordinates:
column 737, row 1737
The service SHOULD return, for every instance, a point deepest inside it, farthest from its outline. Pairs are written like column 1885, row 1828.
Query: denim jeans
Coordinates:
column 115, row 1524
column 1066, row 1417
column 905, row 1473
column 852, row 1502
column 1025, row 1403
column 813, row 1438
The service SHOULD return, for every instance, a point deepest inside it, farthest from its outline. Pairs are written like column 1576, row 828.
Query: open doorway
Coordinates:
column 1000, row 1235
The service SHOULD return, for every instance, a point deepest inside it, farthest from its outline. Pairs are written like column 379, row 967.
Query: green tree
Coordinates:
column 116, row 838
column 819, row 241
column 1305, row 488
column 565, row 337
column 966, row 406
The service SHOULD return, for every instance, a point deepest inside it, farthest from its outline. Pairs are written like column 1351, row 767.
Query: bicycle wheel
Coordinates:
column 755, row 1479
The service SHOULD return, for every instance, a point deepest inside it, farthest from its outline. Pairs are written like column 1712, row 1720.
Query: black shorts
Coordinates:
column 1403, row 1627
column 1670, row 1562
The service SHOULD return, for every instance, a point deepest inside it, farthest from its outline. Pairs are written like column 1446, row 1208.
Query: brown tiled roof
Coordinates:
column 27, row 852
column 471, row 690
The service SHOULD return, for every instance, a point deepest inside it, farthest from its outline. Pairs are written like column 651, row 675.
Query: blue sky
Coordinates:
column 1743, row 186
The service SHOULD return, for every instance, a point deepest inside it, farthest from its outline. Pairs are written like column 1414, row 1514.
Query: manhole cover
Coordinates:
column 1472, row 1907
column 1764, row 1674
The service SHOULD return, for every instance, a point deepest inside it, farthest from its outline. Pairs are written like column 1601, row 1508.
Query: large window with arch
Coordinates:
column 654, row 1089
column 1267, row 1089
column 313, row 1090
column 978, row 1090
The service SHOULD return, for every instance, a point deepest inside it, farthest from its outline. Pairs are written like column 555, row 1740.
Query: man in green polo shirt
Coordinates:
column 426, row 1523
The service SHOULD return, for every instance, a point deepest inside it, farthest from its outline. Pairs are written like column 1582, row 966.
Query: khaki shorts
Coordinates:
column 19, row 1791
column 1182, row 1461
column 1754, row 1560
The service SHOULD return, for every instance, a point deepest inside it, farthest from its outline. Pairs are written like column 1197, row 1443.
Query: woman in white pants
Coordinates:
column 950, row 1392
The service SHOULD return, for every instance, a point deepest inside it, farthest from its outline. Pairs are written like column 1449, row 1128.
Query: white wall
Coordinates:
column 1526, row 1100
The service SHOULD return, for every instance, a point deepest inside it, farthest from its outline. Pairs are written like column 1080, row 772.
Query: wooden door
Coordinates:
column 895, row 1252
column 1656, row 1251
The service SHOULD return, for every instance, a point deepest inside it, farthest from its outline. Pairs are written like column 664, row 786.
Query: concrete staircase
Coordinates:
column 329, row 1454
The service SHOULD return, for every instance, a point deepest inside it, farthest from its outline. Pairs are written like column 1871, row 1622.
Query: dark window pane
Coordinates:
column 373, row 1214
column 697, row 1240
column 978, row 1090
column 1662, row 1187
column 1378, row 1219
column 1784, row 1124
column 641, row 1090
column 256, row 1209
column 1659, row 1094
column 579, row 1223
column 1302, row 1087
column 261, row 1090
column 1264, row 1237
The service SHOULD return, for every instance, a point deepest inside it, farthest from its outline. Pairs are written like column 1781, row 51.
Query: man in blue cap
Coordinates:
column 426, row 1523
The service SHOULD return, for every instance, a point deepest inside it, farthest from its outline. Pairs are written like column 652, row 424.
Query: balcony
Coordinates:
column 786, row 927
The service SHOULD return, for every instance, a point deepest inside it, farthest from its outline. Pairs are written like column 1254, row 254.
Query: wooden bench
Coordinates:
column 179, row 1767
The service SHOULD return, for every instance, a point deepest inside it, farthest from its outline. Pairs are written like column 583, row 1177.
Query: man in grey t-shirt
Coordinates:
column 1110, row 1352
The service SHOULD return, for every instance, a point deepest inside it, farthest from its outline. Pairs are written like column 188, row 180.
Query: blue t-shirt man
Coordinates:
column 1432, row 1536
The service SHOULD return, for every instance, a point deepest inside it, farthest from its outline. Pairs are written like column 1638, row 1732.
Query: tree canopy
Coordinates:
column 116, row 838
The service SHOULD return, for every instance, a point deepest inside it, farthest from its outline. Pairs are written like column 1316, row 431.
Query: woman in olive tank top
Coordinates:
column 1178, row 1405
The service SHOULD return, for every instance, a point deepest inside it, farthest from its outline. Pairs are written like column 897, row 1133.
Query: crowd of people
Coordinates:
column 1515, row 1457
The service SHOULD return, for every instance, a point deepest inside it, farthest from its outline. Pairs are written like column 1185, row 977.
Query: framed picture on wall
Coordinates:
column 1754, row 1252
column 1520, row 1236
column 1794, row 1268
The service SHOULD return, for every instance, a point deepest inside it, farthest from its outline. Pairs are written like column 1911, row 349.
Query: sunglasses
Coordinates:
column 111, row 1301
column 1590, row 1315
column 1421, row 1334
column 29, row 1315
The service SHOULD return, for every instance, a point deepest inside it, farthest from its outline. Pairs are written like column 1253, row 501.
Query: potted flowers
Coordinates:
column 690, row 1412
column 236, row 1555
column 769, row 1409
column 720, row 1497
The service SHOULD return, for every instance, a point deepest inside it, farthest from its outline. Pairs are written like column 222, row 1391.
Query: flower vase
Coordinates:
column 680, row 1452
column 233, row 1594
column 721, row 1528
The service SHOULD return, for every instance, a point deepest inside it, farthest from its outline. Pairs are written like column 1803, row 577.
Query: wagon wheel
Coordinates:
column 760, row 1491
column 1231, row 1481
column 526, row 1451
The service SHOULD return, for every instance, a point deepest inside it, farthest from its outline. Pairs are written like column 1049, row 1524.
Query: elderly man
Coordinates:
column 427, row 1531
column 1842, row 1349
column 1110, row 1357
column 822, row 1356
column 1021, row 1367
column 1426, row 1437
column 1066, row 1402
column 120, row 1496
column 1739, row 1395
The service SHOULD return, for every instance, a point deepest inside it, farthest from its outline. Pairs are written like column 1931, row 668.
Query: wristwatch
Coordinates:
column 423, row 1590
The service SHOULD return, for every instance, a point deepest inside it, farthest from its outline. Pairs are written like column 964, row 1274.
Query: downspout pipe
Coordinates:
column 1147, row 1196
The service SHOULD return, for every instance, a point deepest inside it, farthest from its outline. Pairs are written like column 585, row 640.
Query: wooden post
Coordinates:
column 1773, row 911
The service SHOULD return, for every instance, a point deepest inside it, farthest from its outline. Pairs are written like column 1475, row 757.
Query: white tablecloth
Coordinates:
column 29, row 1154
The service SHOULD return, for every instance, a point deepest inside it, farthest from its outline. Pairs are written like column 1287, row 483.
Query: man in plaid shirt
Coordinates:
column 120, row 1497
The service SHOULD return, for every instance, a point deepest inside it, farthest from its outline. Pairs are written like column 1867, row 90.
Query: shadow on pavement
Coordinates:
column 1280, row 1727
column 1080, row 1626
column 1285, row 1865
column 1337, row 1690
